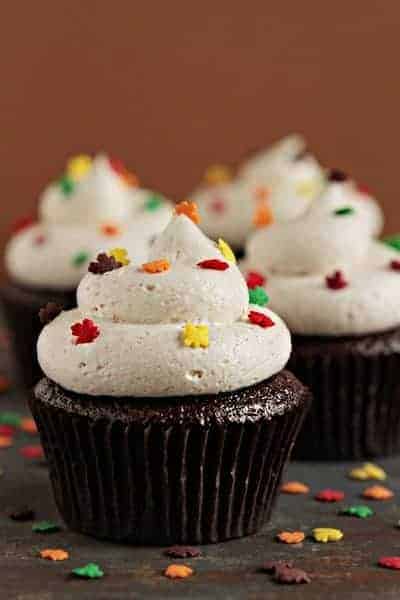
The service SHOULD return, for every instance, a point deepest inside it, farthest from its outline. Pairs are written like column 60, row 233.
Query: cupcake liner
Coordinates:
column 21, row 309
column 356, row 397
column 158, row 483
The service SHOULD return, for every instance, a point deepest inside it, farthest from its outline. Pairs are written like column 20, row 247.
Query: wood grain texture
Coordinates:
column 173, row 86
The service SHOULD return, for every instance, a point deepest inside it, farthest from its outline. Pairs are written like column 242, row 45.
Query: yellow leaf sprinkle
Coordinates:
column 226, row 251
column 78, row 166
column 120, row 255
column 368, row 471
column 217, row 174
column 327, row 534
column 195, row 336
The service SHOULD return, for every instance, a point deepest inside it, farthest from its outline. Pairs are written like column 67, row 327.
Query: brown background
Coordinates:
column 173, row 86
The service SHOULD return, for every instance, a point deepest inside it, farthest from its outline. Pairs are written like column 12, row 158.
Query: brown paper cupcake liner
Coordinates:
column 356, row 396
column 157, row 482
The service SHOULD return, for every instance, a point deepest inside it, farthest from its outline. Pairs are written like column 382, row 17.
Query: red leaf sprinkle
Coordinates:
column 7, row 430
column 336, row 281
column 32, row 451
column 218, row 206
column 363, row 189
column 260, row 319
column 389, row 562
column 395, row 265
column 22, row 223
column 329, row 495
column 213, row 263
column 85, row 332
column 255, row 279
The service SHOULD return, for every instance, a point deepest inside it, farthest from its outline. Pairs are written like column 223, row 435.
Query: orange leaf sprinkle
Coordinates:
column 378, row 492
column 294, row 487
column 291, row 537
column 263, row 214
column 28, row 425
column 156, row 266
column 5, row 441
column 189, row 209
column 54, row 554
column 110, row 229
column 178, row 571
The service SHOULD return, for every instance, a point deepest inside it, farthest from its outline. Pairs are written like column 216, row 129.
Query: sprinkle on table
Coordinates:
column 48, row 313
column 80, row 258
column 22, row 514
column 360, row 511
column 377, row 492
column 85, row 332
column 263, row 215
column 390, row 562
column 213, row 264
column 55, row 554
column 336, row 281
column 329, row 495
column 189, row 209
column 89, row 571
column 120, row 255
column 337, row 176
column 226, row 251
column 110, row 229
column 344, row 211
column 156, row 266
column 368, row 471
column 395, row 265
column 291, row 575
column 195, row 336
column 294, row 487
column 7, row 430
column 10, row 418
column 218, row 174
column 6, row 441
column 153, row 203
column 103, row 264
column 327, row 534
column 32, row 452
column 4, row 384
column 254, row 279
column 178, row 572
column 260, row 319
column 22, row 223
column 291, row 537
column 28, row 425
column 45, row 527
column 79, row 166
column 271, row 566
column 257, row 295
column 67, row 185
column 182, row 552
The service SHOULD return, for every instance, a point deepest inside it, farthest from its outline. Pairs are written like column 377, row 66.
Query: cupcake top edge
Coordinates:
column 94, row 204
column 179, row 324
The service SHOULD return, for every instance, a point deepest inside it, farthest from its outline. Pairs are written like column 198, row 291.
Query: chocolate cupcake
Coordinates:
column 275, row 184
column 95, row 206
column 165, row 414
column 338, row 288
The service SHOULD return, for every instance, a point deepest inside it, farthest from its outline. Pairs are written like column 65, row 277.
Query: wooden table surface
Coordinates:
column 342, row 570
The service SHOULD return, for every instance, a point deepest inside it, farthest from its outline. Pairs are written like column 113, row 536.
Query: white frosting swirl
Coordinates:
column 297, row 257
column 141, row 317
column 72, row 224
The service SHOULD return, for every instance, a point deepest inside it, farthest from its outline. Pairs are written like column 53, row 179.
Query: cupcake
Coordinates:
column 166, row 414
column 275, row 185
column 95, row 206
column 338, row 289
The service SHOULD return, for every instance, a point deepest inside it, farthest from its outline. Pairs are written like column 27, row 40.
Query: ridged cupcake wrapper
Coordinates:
column 163, row 485
column 355, row 411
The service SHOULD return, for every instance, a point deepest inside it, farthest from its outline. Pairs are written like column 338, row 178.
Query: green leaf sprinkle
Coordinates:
column 89, row 571
column 393, row 241
column 258, row 296
column 153, row 203
column 45, row 527
column 80, row 258
column 360, row 511
column 67, row 185
column 10, row 418
column 346, row 210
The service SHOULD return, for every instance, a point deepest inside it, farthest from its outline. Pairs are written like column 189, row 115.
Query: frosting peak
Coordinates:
column 186, row 311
